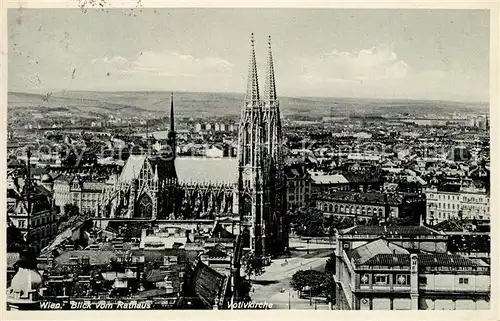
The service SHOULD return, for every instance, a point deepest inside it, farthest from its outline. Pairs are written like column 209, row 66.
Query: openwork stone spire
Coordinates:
column 252, row 97
column 269, row 86
column 172, row 123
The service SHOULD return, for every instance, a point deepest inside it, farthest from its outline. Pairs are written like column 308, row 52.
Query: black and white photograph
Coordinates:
column 168, row 158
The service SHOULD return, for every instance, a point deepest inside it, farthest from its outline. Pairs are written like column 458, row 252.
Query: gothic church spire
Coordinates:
column 171, row 133
column 252, row 98
column 269, row 86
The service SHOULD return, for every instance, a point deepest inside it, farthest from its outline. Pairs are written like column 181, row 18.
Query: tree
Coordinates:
column 253, row 265
column 244, row 288
column 318, row 283
column 338, row 223
column 309, row 222
column 70, row 210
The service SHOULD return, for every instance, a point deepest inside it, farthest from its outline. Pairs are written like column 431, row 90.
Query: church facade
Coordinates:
column 249, row 188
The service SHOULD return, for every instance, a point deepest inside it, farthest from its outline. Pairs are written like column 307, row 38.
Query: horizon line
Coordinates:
column 242, row 93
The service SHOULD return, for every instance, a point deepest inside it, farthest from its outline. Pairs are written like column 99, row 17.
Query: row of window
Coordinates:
column 469, row 199
column 384, row 279
column 44, row 232
column 360, row 210
column 447, row 215
column 37, row 221
column 399, row 279
column 444, row 205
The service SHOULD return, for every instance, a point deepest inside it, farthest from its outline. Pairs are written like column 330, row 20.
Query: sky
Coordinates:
column 362, row 53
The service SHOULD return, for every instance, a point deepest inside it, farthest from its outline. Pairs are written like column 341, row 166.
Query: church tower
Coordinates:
column 172, row 136
column 250, row 162
column 260, row 163
column 272, row 138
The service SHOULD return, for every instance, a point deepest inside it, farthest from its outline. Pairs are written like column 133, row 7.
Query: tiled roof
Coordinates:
column 153, row 293
column 423, row 260
column 203, row 170
column 64, row 178
column 368, row 198
column 366, row 252
column 156, row 275
column 208, row 283
column 357, row 178
column 389, row 230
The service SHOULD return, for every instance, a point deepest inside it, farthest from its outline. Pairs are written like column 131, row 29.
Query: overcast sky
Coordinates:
column 416, row 54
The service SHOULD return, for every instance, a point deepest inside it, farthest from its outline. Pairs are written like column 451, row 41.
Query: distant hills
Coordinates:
column 199, row 104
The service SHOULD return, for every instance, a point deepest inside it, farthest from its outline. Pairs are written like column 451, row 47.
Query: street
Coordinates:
column 277, row 276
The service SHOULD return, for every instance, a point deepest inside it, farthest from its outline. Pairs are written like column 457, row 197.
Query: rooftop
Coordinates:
column 366, row 252
column 371, row 198
column 200, row 170
column 389, row 230
column 440, row 259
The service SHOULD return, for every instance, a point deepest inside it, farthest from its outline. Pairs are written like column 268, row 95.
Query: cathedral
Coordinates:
column 250, row 187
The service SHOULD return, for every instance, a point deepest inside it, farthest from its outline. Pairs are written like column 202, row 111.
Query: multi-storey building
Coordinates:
column 35, row 216
column 463, row 202
column 372, row 204
column 72, row 189
column 381, row 275
column 298, row 180
column 322, row 183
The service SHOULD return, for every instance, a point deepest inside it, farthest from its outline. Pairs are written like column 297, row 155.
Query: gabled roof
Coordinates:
column 132, row 168
column 156, row 275
column 365, row 252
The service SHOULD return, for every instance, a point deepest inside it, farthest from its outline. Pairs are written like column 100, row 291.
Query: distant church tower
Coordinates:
column 261, row 188
column 172, row 135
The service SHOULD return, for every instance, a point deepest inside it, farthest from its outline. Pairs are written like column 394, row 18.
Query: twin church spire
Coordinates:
column 252, row 97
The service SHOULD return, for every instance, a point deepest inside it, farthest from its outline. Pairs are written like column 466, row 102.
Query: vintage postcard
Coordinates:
column 249, row 158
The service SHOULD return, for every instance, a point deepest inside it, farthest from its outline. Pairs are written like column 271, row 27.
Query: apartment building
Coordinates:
column 372, row 204
column 35, row 216
column 459, row 202
column 298, row 192
column 71, row 189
